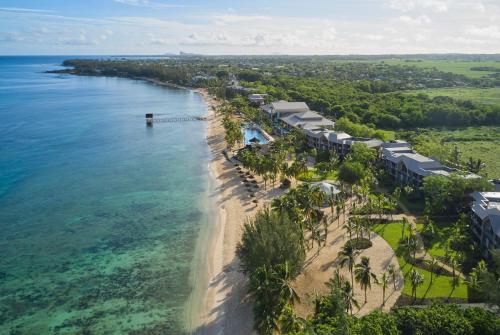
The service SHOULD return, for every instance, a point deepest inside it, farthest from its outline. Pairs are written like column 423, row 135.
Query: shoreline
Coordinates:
column 222, row 307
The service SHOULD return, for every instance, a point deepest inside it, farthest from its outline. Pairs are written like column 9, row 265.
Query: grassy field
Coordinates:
column 458, row 67
column 441, row 285
column 443, row 230
column 487, row 96
column 312, row 175
column 476, row 142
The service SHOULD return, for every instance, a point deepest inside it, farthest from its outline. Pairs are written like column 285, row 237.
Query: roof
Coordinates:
column 258, row 96
column 419, row 164
column 293, row 107
column 370, row 142
column 306, row 120
column 326, row 188
column 338, row 137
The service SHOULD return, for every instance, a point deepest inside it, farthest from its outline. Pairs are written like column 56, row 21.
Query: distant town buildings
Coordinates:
column 485, row 220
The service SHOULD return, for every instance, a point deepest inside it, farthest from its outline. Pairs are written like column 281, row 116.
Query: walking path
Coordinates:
column 319, row 268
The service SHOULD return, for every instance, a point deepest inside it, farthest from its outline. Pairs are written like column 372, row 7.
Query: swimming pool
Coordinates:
column 252, row 132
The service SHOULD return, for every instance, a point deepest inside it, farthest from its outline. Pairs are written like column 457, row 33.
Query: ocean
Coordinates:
column 99, row 214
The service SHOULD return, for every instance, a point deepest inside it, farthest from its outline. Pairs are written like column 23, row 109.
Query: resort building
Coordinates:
column 408, row 167
column 288, row 115
column 278, row 109
column 257, row 99
column 305, row 120
column 485, row 220
column 340, row 142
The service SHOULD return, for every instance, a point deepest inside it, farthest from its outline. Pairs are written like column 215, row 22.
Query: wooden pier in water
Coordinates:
column 150, row 119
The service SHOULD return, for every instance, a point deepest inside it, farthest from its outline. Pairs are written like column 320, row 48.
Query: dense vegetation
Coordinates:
column 364, row 92
column 330, row 318
column 474, row 149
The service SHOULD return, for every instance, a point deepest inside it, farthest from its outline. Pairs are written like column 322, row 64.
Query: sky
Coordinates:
column 154, row 27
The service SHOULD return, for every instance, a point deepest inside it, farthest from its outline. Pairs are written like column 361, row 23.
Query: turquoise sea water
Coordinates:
column 99, row 214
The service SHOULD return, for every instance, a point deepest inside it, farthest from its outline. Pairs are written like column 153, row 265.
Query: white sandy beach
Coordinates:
column 223, row 306
column 224, row 309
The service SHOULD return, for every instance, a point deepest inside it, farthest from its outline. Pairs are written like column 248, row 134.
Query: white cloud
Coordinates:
column 418, row 20
column 410, row 5
column 485, row 32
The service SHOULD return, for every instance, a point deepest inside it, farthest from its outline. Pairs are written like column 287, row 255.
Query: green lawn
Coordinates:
column 457, row 67
column 312, row 175
column 488, row 96
column 443, row 229
column 441, row 285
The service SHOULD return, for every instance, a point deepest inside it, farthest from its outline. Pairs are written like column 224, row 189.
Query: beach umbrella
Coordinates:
column 255, row 201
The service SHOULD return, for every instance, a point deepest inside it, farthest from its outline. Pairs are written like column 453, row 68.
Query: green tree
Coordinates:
column 270, row 239
column 393, row 273
column 416, row 279
column 384, row 282
column 347, row 256
column 364, row 274
column 351, row 172
column 362, row 154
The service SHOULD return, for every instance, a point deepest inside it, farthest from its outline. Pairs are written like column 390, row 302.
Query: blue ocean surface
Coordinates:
column 99, row 214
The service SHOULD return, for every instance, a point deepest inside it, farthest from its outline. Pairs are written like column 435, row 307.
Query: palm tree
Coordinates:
column 364, row 274
column 384, row 282
column 348, row 256
column 331, row 202
column 263, row 288
column 283, row 278
column 393, row 274
column 408, row 190
column 410, row 246
column 336, row 281
column 350, row 226
column 290, row 322
column 416, row 279
column 474, row 280
column 454, row 264
column 365, row 226
column 432, row 266
column 337, row 213
column 317, row 196
column 348, row 296
column 405, row 222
